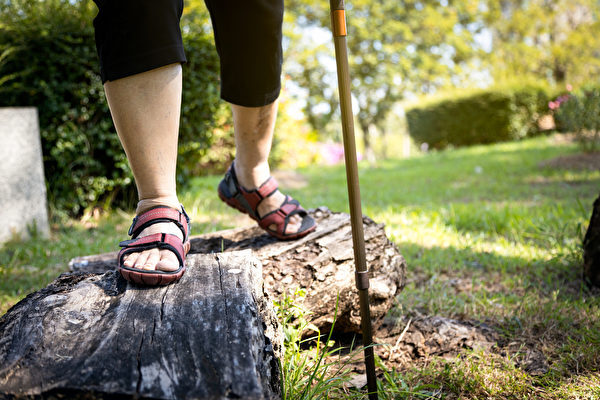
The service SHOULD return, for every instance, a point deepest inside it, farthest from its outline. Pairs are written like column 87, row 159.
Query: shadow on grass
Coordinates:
column 540, row 306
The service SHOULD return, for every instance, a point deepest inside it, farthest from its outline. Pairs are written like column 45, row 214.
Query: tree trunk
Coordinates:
column 591, row 247
column 213, row 335
column 368, row 148
column 322, row 263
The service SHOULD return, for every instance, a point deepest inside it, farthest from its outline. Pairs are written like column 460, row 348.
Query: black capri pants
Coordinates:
column 133, row 36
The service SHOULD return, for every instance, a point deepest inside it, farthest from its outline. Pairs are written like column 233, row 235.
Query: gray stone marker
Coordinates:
column 22, row 185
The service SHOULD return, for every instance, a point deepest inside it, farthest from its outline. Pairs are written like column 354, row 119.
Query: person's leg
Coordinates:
column 248, row 39
column 145, row 108
column 141, row 50
column 253, row 127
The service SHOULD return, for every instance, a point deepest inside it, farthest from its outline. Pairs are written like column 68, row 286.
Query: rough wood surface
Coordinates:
column 406, row 339
column 591, row 247
column 211, row 336
column 321, row 263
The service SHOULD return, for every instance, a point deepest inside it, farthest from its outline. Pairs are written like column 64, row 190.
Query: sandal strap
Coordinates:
column 255, row 196
column 281, row 216
column 156, row 240
column 157, row 215
column 249, row 199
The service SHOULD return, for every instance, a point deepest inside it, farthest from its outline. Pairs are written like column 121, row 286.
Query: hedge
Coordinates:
column 487, row 116
column 578, row 112
column 48, row 60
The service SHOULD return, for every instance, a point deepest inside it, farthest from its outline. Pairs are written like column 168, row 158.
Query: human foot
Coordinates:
column 252, row 179
column 156, row 254
column 278, row 214
column 155, row 259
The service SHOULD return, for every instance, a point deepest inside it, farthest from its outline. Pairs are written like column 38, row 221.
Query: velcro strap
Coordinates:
column 268, row 187
column 289, row 206
column 156, row 237
column 280, row 217
column 255, row 196
column 160, row 214
column 251, row 198
column 273, row 219
column 156, row 240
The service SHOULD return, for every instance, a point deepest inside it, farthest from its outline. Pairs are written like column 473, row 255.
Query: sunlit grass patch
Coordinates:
column 490, row 233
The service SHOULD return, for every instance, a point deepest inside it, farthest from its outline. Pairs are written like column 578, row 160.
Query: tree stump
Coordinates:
column 322, row 263
column 213, row 335
column 591, row 247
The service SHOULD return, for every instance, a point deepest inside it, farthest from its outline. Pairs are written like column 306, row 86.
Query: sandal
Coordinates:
column 247, row 201
column 157, row 240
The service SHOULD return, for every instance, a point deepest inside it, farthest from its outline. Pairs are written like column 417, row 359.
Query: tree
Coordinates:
column 394, row 47
column 557, row 40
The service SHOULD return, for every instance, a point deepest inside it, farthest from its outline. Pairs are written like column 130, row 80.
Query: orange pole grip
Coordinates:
column 339, row 22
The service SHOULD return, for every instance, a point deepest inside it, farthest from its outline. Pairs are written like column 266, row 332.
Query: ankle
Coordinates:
column 148, row 203
column 253, row 176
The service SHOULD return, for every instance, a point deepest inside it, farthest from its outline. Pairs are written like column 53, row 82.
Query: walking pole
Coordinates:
column 338, row 27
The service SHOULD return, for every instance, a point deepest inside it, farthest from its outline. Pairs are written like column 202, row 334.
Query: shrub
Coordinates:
column 206, row 143
column 48, row 60
column 487, row 116
column 579, row 112
column 530, row 103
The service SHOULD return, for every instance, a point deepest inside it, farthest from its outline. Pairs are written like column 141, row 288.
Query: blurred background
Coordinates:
column 426, row 75
column 478, row 131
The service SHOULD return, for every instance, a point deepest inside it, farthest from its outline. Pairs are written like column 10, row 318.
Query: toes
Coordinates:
column 152, row 260
column 294, row 224
column 168, row 261
column 141, row 260
column 129, row 259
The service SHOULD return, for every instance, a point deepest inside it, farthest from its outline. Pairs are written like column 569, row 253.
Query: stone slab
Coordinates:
column 23, row 188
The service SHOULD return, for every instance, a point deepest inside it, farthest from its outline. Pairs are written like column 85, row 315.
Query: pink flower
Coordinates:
column 553, row 105
column 569, row 87
column 333, row 153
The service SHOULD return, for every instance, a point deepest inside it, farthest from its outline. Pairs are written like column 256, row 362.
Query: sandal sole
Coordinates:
column 150, row 279
column 154, row 279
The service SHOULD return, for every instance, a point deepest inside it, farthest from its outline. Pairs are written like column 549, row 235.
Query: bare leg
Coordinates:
column 145, row 109
column 254, row 128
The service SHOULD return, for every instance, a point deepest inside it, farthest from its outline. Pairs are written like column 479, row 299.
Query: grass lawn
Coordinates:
column 489, row 234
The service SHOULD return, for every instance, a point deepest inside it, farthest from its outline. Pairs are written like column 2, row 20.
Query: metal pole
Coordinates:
column 338, row 26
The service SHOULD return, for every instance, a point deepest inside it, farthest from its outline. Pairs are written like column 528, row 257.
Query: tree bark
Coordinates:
column 213, row 335
column 322, row 263
column 591, row 247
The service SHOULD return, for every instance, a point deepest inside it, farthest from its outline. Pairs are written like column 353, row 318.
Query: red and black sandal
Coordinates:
column 247, row 201
column 157, row 240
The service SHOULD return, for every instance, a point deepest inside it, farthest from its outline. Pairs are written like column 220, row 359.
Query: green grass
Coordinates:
column 488, row 234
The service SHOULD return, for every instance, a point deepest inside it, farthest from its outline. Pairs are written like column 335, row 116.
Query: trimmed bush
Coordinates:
column 48, row 60
column 481, row 117
column 579, row 112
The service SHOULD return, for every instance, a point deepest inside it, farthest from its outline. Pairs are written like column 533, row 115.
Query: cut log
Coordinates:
column 322, row 263
column 591, row 247
column 213, row 335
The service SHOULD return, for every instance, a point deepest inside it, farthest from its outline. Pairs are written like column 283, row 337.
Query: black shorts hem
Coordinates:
column 143, row 62
column 252, row 101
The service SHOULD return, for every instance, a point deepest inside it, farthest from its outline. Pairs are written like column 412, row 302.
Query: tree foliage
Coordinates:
column 394, row 47
column 554, row 40
column 48, row 60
